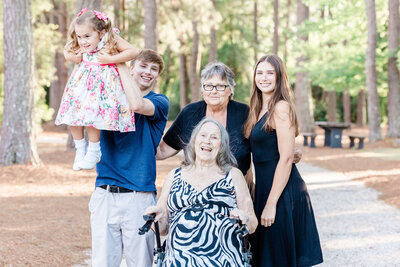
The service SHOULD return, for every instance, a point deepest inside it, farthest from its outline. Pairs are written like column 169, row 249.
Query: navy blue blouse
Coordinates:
column 180, row 131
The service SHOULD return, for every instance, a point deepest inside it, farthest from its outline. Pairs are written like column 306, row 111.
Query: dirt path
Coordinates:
column 355, row 227
column 44, row 220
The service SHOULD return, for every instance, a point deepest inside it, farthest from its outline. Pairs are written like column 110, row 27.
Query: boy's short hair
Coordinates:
column 148, row 55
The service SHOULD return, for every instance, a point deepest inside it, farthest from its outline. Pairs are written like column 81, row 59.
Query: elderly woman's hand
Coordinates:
column 158, row 211
column 297, row 155
column 240, row 214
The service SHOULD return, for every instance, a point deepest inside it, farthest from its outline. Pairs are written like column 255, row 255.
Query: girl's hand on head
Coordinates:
column 268, row 215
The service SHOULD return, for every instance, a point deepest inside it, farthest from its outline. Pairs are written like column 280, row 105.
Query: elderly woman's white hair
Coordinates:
column 225, row 159
column 219, row 69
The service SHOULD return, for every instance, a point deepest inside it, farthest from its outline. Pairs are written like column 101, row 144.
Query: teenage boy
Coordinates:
column 125, row 183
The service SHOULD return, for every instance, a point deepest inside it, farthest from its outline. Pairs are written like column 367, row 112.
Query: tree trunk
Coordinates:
column 374, row 116
column 117, row 8
column 194, row 65
column 332, row 106
column 123, row 16
column 276, row 27
column 303, row 84
column 17, row 143
column 150, row 24
column 255, row 26
column 285, row 53
column 361, row 114
column 88, row 4
column 346, row 106
column 213, row 38
column 167, row 69
column 213, row 44
column 58, row 85
column 393, row 71
column 183, row 77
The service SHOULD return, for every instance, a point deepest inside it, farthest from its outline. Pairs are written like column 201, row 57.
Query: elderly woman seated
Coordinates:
column 198, row 199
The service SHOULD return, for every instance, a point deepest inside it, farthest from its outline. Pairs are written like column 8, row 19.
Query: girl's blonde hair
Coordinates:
column 98, row 25
column 282, row 92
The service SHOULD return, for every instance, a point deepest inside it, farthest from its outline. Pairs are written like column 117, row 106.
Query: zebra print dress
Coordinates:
column 200, row 232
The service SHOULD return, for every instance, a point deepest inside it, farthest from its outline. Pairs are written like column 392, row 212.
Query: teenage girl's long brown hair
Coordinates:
column 98, row 25
column 282, row 92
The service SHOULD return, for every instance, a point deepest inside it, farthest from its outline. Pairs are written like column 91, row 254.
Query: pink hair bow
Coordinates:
column 82, row 11
column 100, row 15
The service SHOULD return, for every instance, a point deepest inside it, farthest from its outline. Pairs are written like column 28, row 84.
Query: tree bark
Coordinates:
column 285, row 52
column 167, row 68
column 117, row 8
column 346, row 106
column 374, row 116
column 303, row 84
column 194, row 65
column 361, row 112
column 213, row 38
column 255, row 26
column 18, row 144
column 150, row 24
column 393, row 71
column 332, row 106
column 58, row 85
column 183, row 77
column 88, row 4
column 276, row 27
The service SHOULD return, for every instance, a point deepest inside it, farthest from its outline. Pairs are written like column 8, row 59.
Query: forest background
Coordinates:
column 342, row 56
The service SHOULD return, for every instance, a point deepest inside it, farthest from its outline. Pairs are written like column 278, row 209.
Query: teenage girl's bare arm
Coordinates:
column 285, row 132
column 126, row 53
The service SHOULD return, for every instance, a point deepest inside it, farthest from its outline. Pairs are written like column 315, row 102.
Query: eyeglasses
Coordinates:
column 219, row 87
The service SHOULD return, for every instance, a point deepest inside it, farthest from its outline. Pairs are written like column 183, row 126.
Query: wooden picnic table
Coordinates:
column 333, row 132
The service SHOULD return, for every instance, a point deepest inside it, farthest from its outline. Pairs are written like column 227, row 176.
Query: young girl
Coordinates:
column 94, row 97
column 287, row 234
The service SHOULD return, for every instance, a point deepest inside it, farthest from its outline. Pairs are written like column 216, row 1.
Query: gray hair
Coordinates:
column 220, row 69
column 225, row 159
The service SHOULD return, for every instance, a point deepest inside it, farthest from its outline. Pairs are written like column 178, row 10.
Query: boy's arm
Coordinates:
column 137, row 102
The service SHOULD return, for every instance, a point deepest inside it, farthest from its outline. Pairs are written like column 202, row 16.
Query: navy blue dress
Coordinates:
column 180, row 131
column 293, row 239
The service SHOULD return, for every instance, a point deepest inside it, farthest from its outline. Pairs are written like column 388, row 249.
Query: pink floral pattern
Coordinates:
column 94, row 97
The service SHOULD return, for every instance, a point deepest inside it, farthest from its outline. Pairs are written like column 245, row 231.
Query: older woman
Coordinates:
column 198, row 200
column 218, row 86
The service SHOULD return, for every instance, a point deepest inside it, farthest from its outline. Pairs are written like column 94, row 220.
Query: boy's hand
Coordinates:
column 74, row 57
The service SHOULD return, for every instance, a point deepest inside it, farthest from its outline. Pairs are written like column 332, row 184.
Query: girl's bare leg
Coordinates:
column 93, row 154
column 77, row 132
column 93, row 134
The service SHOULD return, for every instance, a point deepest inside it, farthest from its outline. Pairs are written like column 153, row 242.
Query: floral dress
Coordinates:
column 94, row 97
column 200, row 231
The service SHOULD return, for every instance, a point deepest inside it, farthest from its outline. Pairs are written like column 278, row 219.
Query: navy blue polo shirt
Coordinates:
column 128, row 159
